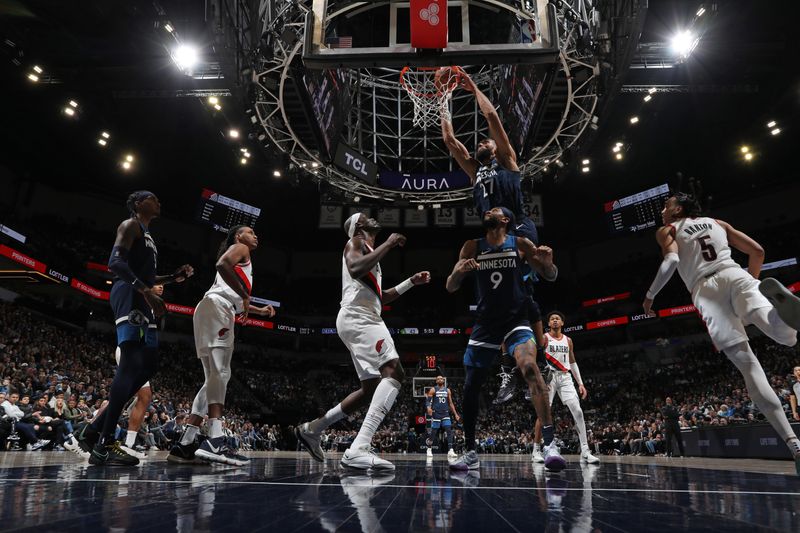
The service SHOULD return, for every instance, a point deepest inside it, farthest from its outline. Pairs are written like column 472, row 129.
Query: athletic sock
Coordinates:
column 189, row 434
column 381, row 403
column 130, row 439
column 547, row 435
column 328, row 419
column 214, row 428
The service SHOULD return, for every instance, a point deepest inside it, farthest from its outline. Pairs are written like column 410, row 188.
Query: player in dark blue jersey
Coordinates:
column 439, row 403
column 495, row 179
column 137, row 307
column 498, row 261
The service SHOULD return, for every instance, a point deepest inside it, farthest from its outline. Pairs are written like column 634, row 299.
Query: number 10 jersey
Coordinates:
column 702, row 247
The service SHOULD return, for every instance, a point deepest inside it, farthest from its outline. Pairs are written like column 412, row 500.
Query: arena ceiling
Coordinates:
column 113, row 59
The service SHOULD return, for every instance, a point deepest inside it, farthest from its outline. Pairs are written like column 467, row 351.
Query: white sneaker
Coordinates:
column 130, row 451
column 311, row 442
column 363, row 458
column 451, row 455
column 587, row 457
column 71, row 444
column 537, row 456
column 39, row 444
column 552, row 458
column 429, row 453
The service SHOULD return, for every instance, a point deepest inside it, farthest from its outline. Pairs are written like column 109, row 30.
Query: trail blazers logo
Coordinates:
column 379, row 345
column 223, row 333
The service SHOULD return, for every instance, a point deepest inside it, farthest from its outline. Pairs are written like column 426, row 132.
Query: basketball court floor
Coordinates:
column 286, row 491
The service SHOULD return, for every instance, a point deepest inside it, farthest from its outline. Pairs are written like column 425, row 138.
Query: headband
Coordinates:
column 352, row 227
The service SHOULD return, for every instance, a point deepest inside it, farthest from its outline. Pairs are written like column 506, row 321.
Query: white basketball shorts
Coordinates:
column 213, row 321
column 562, row 384
column 367, row 339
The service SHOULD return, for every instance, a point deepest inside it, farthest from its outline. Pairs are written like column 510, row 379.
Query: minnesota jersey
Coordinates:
column 496, row 186
column 556, row 352
column 702, row 247
column 499, row 279
column 441, row 407
column 244, row 273
column 364, row 292
column 143, row 258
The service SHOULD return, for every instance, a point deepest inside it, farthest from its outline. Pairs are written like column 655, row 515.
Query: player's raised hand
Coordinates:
column 466, row 265
column 466, row 81
column 184, row 272
column 396, row 239
column 647, row 305
column 544, row 254
column 421, row 278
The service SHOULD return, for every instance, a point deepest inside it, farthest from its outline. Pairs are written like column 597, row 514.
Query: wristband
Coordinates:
column 405, row 286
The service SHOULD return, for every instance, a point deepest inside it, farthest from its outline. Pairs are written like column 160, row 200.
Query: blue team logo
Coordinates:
column 136, row 318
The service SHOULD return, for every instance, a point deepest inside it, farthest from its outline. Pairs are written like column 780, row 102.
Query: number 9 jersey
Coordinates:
column 702, row 247
column 500, row 284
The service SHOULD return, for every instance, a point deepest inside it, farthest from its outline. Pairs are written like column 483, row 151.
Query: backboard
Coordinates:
column 378, row 34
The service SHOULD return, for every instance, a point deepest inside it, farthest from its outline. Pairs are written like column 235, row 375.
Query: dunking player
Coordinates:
column 214, row 320
column 728, row 297
column 136, row 309
column 502, row 319
column 439, row 405
column 495, row 179
column 362, row 330
column 560, row 356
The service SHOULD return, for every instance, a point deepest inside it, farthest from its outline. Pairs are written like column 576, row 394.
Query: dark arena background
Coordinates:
column 291, row 116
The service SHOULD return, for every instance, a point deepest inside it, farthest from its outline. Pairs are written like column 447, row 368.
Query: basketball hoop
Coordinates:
column 429, row 94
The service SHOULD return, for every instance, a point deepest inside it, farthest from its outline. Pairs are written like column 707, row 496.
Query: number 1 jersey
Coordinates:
column 500, row 286
column 702, row 247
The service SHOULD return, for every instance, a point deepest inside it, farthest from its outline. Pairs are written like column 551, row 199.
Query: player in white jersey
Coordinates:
column 369, row 342
column 214, row 320
column 728, row 297
column 795, row 394
column 562, row 367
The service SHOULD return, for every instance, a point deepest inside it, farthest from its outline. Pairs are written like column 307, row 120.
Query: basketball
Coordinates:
column 447, row 77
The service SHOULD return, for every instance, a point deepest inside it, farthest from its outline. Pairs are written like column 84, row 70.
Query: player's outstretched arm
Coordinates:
column 420, row 278
column 466, row 263
column 744, row 243
column 458, row 150
column 359, row 263
column 179, row 276
column 506, row 155
column 540, row 258
column 669, row 249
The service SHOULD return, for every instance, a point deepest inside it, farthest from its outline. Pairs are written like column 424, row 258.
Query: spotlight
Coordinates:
column 126, row 165
column 356, row 199
column 775, row 131
column 247, row 155
column 436, row 206
column 420, row 207
column 314, row 164
column 771, row 124
column 616, row 149
column 683, row 43
column 129, row 158
column 233, row 134
column 276, row 173
column 185, row 56
column 618, row 155
column 701, row 11
column 634, row 120
column 33, row 77
column 69, row 111
column 748, row 156
column 744, row 149
column 243, row 161
column 169, row 27
column 546, row 161
column 647, row 98
column 102, row 142
column 585, row 170
column 213, row 100
column 217, row 107
column 37, row 69
column 651, row 90
column 585, row 162
column 73, row 103
column 105, row 134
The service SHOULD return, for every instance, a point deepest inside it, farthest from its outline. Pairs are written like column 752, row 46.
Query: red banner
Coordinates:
column 97, row 266
column 88, row 289
column 794, row 287
column 612, row 298
column 618, row 321
column 257, row 323
column 673, row 311
column 22, row 258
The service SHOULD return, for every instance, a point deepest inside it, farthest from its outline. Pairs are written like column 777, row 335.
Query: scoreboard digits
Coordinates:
column 223, row 213
column 638, row 211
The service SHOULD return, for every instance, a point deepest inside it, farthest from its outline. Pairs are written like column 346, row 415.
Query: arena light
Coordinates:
column 33, row 77
column 776, row 131
column 420, row 207
column 748, row 156
column 126, row 165
column 169, row 27
column 105, row 135
column 744, row 149
column 218, row 107
column 186, row 56
column 276, row 173
column 618, row 156
column 356, row 199
column 647, row 98
column 436, row 206
column 102, row 142
column 616, row 148
column 700, row 11
column 771, row 124
column 651, row 90
column 243, row 161
column 585, row 170
column 233, row 134
column 634, row 119
column 129, row 158
column 69, row 111
column 246, row 154
column 585, row 162
column 213, row 100
column 37, row 69
column 683, row 43
column 314, row 164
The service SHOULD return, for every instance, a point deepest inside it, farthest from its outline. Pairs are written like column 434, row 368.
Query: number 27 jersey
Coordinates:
column 702, row 247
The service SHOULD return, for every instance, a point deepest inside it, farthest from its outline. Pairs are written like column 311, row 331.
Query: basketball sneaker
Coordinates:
column 311, row 442
column 508, row 385
column 130, row 451
column 786, row 303
column 468, row 461
column 183, row 453
column 363, row 458
column 216, row 451
column 429, row 452
column 537, row 456
column 71, row 444
column 451, row 455
column 87, row 438
column 111, row 455
column 469, row 478
column 552, row 458
column 39, row 444
column 587, row 457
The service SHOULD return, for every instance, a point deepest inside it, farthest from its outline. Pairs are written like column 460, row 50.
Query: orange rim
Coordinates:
column 452, row 85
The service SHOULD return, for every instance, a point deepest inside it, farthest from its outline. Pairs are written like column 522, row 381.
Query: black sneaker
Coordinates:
column 87, row 437
column 216, row 451
column 111, row 455
column 183, row 453
column 508, row 385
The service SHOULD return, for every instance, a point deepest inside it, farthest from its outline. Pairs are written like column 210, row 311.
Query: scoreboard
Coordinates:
column 222, row 213
column 638, row 211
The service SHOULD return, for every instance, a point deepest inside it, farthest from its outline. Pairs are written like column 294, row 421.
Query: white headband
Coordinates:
column 351, row 229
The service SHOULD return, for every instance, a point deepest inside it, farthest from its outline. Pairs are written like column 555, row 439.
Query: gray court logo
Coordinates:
column 431, row 14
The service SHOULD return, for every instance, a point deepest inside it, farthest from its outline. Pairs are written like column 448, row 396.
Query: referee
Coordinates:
column 671, row 426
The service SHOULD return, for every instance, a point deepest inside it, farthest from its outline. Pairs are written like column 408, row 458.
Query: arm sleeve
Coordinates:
column 665, row 272
column 576, row 373
column 118, row 265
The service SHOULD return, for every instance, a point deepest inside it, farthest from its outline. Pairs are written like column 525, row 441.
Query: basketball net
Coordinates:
column 430, row 96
